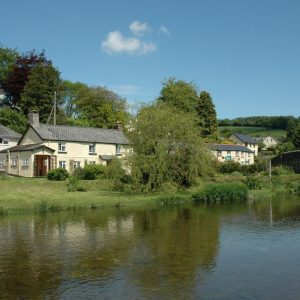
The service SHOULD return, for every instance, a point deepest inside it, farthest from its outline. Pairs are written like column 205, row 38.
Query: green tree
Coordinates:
column 167, row 148
column 297, row 136
column 100, row 107
column 207, row 116
column 70, row 94
column 13, row 119
column 179, row 94
column 39, row 90
column 18, row 76
column 7, row 61
column 290, row 130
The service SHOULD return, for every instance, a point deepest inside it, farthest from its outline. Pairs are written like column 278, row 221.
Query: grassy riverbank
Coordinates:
column 21, row 195
column 30, row 194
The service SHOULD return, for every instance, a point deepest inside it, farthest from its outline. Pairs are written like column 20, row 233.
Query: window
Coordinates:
column 1, row 140
column 5, row 142
column 13, row 161
column 1, row 160
column 228, row 153
column 92, row 162
column 62, row 164
column 118, row 149
column 76, row 165
column 61, row 147
column 25, row 162
column 92, row 148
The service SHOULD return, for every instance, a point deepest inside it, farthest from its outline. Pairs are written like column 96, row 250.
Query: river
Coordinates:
column 241, row 251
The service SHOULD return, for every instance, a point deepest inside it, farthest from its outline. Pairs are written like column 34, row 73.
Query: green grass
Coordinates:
column 41, row 195
column 256, row 131
column 21, row 195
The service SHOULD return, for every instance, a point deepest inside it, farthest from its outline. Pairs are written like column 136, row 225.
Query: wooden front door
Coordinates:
column 41, row 165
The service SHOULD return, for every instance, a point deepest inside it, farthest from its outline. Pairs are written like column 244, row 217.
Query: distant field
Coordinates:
column 254, row 131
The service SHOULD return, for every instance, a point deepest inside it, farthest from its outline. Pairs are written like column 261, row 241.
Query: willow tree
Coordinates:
column 167, row 148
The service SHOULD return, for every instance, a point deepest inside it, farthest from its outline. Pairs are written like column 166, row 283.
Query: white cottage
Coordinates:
column 44, row 147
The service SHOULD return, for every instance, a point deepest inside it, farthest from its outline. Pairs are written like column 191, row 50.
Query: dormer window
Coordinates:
column 61, row 147
column 3, row 141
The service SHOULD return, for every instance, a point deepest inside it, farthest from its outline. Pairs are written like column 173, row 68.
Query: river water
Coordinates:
column 241, row 251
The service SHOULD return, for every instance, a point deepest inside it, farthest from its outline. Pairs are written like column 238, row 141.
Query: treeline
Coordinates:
column 28, row 82
column 269, row 122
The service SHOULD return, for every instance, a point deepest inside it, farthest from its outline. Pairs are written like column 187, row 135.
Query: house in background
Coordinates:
column 44, row 147
column 236, row 153
column 268, row 141
column 8, row 137
column 246, row 141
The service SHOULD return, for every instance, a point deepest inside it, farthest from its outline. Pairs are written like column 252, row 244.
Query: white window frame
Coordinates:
column 76, row 164
column 61, row 147
column 92, row 148
column 25, row 162
column 62, row 164
column 14, row 161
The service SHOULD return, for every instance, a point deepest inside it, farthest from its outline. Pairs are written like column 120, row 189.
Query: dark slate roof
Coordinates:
column 107, row 157
column 8, row 133
column 245, row 138
column 29, row 147
column 224, row 147
column 80, row 134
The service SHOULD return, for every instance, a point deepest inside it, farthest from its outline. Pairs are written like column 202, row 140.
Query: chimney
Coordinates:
column 118, row 126
column 34, row 118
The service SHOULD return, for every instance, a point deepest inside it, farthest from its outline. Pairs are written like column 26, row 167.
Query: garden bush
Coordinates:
column 90, row 172
column 229, row 167
column 58, row 174
column 73, row 185
column 224, row 192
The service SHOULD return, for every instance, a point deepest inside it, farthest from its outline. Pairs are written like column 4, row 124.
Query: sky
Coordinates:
column 245, row 53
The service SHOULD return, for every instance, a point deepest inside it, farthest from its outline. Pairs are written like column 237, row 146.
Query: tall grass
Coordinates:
column 223, row 192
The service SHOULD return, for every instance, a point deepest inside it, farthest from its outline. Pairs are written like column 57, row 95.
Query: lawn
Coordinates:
column 18, row 194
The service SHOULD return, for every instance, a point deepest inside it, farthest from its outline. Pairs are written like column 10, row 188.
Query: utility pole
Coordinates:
column 54, row 117
column 270, row 170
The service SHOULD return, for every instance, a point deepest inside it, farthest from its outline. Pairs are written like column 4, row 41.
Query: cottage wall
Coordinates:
column 244, row 158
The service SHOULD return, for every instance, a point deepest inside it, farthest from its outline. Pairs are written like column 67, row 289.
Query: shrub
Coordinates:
column 79, row 173
column 114, row 169
column 253, row 183
column 73, row 185
column 224, row 192
column 58, row 174
column 229, row 167
column 92, row 171
column 282, row 170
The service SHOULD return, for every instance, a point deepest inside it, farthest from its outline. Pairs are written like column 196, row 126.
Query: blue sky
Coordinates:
column 246, row 53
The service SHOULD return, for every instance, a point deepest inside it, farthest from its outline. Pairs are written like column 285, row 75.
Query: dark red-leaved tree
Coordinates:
column 18, row 77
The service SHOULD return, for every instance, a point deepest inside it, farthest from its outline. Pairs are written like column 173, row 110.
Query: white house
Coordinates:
column 236, row 153
column 8, row 137
column 44, row 147
column 245, row 140
column 268, row 141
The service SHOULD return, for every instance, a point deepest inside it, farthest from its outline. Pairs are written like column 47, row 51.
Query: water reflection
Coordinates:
column 126, row 253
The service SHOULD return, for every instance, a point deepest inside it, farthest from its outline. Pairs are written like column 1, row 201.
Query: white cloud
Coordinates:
column 115, row 42
column 163, row 29
column 138, row 28
column 126, row 89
